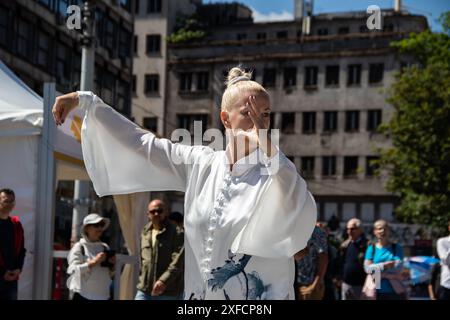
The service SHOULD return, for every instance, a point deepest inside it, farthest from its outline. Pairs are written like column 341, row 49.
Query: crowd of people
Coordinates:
column 324, row 270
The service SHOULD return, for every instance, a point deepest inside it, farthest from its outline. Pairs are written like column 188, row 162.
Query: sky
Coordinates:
column 276, row 10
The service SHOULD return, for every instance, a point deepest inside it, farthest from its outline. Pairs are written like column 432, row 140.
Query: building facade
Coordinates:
column 154, row 21
column 37, row 45
column 328, row 89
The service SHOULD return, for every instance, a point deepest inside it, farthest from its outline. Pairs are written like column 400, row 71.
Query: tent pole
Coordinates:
column 45, row 197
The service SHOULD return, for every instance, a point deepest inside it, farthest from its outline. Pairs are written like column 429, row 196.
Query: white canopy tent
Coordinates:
column 34, row 154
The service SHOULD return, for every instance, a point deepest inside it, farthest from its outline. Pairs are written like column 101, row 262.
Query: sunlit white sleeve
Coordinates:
column 121, row 158
column 285, row 214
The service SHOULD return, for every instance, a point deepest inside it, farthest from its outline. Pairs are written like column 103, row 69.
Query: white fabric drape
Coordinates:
column 132, row 218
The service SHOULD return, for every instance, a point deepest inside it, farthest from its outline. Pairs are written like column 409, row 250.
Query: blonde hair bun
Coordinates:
column 235, row 73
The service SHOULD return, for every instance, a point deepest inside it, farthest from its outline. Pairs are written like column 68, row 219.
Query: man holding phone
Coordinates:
column 12, row 250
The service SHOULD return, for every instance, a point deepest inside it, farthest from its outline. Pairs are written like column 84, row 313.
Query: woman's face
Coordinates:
column 237, row 117
column 94, row 231
column 381, row 231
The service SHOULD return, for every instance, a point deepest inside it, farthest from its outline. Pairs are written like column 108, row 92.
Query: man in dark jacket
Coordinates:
column 162, row 257
column 352, row 253
column 12, row 250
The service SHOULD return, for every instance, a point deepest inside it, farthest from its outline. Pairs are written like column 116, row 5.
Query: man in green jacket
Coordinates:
column 162, row 257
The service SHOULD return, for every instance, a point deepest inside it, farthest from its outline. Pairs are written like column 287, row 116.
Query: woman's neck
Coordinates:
column 234, row 154
column 383, row 242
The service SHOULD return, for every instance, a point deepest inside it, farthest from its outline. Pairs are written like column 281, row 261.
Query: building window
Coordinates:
column 125, row 39
column 269, row 77
column 62, row 7
column 354, row 74
column 241, row 36
column 376, row 71
column 123, row 96
column 329, row 166
column 371, row 165
column 309, row 122
column 307, row 165
column 153, row 6
column 343, row 30
column 110, row 34
column 4, row 23
column 152, row 84
column 351, row 121
column 136, row 6
column 150, row 123
column 202, row 81
column 288, row 122
column 282, row 35
column 24, row 39
column 311, row 77
column 332, row 76
column 373, row 120
column 261, row 36
column 290, row 77
column 126, row 4
column 153, row 44
column 322, row 31
column 186, row 121
column 363, row 29
column 133, row 87
column 108, row 87
column 62, row 63
column 43, row 52
column 389, row 28
column 185, row 82
column 350, row 166
column 135, row 45
column 330, row 121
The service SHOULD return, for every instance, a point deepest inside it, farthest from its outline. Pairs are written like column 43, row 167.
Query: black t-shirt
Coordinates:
column 353, row 273
column 7, row 245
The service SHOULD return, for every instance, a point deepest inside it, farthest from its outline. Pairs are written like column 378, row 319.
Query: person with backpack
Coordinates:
column 91, row 263
column 386, row 258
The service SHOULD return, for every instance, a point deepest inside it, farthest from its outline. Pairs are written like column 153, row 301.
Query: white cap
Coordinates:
column 95, row 218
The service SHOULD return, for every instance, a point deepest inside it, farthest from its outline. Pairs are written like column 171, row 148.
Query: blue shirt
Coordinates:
column 385, row 255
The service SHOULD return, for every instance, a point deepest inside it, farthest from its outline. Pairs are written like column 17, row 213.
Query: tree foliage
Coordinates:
column 418, row 164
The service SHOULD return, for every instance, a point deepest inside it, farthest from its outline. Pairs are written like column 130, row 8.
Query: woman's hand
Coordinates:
column 99, row 258
column 259, row 124
column 63, row 105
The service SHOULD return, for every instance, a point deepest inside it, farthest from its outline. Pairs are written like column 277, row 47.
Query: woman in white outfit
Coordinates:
column 244, row 219
column 89, row 279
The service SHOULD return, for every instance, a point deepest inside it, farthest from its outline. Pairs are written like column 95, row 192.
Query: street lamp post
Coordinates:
column 81, row 188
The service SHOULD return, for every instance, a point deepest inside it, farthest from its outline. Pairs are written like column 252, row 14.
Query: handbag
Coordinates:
column 369, row 290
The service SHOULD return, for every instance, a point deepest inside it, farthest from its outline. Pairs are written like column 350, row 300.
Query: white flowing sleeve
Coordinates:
column 284, row 217
column 122, row 158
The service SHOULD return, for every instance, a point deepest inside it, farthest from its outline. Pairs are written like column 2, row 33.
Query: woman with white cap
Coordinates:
column 90, row 272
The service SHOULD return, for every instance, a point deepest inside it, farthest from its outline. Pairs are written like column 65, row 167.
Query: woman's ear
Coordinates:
column 225, row 119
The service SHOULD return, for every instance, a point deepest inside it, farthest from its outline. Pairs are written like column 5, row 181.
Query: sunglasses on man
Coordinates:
column 153, row 211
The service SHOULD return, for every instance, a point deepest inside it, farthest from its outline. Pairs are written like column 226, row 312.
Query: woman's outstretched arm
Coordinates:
column 121, row 157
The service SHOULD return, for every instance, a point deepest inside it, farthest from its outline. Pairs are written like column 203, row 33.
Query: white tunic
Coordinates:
column 242, row 227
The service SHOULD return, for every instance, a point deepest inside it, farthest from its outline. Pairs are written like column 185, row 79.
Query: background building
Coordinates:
column 328, row 86
column 154, row 21
column 36, row 44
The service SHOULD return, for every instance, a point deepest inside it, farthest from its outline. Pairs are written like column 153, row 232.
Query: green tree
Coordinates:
column 188, row 29
column 418, row 164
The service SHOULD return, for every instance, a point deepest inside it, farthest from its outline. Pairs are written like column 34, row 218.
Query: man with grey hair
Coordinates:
column 352, row 253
